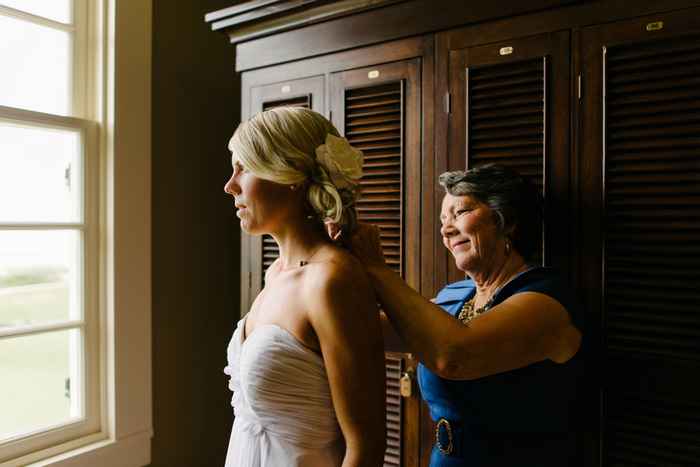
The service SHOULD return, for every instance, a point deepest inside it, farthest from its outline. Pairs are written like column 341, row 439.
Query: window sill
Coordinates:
column 131, row 451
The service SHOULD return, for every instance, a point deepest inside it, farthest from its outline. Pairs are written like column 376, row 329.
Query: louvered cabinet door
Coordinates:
column 378, row 110
column 259, row 251
column 641, row 148
column 509, row 103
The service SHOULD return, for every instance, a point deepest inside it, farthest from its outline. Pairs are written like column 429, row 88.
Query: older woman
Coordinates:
column 502, row 354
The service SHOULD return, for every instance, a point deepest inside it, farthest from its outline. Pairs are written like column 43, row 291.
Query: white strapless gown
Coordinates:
column 284, row 414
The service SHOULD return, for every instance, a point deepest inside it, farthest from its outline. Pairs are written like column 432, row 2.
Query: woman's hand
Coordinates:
column 333, row 231
column 365, row 244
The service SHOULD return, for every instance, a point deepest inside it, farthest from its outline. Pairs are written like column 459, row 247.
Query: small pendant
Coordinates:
column 301, row 262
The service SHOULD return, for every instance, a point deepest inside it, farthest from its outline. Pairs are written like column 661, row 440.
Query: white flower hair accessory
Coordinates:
column 342, row 162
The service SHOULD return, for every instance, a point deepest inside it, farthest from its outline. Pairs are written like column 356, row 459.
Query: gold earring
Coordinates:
column 507, row 247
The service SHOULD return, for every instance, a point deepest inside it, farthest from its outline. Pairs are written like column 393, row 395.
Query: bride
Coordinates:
column 306, row 363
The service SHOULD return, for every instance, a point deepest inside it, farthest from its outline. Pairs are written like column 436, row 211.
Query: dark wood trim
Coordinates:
column 442, row 256
column 429, row 233
column 389, row 22
column 262, row 18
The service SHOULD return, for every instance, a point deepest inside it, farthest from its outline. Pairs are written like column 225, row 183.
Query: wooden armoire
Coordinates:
column 598, row 101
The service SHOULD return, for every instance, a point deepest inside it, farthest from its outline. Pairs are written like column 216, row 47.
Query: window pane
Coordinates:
column 34, row 67
column 38, row 277
column 57, row 10
column 36, row 372
column 40, row 174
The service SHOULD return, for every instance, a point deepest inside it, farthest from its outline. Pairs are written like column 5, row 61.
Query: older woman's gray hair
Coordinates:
column 513, row 200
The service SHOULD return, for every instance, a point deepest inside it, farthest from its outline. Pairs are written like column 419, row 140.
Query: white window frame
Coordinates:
column 87, row 346
column 122, row 352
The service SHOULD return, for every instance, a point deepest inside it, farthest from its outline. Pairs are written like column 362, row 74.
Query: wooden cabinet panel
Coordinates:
column 403, row 411
column 641, row 141
column 378, row 109
column 304, row 92
column 509, row 103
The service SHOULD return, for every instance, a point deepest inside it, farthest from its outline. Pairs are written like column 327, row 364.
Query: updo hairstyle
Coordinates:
column 279, row 145
column 513, row 200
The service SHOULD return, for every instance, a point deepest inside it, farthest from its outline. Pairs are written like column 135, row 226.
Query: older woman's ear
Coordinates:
column 508, row 234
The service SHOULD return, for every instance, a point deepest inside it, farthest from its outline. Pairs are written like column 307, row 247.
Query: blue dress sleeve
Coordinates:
column 452, row 297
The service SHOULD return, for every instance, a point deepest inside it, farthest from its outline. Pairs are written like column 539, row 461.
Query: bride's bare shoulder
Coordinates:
column 338, row 290
column 336, row 266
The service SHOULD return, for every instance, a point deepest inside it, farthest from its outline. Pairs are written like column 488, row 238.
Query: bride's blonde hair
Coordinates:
column 279, row 145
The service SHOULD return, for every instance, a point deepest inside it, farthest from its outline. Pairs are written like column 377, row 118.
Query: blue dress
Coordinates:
column 523, row 417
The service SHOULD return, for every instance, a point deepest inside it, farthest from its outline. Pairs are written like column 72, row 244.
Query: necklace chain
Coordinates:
column 303, row 262
column 468, row 312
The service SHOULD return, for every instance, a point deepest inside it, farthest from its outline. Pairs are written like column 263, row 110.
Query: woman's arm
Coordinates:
column 392, row 340
column 524, row 329
column 343, row 312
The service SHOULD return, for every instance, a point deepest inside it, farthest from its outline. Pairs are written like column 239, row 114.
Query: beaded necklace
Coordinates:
column 468, row 312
